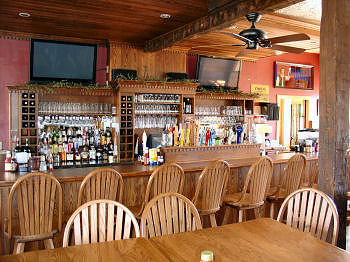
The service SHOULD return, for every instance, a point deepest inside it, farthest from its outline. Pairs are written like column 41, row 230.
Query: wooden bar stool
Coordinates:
column 36, row 197
column 101, row 183
column 167, row 214
column 166, row 178
column 99, row 221
column 289, row 181
column 258, row 180
column 210, row 188
column 310, row 210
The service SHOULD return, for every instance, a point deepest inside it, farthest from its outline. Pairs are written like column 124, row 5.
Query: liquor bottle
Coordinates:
column 110, row 152
column 50, row 162
column 92, row 155
column 77, row 157
column 26, row 149
column 43, row 166
column 18, row 148
column 84, row 155
column 56, row 160
column 70, row 155
column 99, row 158
column 104, row 154
column 10, row 165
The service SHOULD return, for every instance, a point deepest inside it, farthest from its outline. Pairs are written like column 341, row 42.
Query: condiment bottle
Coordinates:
column 207, row 256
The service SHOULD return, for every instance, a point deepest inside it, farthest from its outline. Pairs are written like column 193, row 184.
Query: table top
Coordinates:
column 256, row 240
column 136, row 249
column 260, row 240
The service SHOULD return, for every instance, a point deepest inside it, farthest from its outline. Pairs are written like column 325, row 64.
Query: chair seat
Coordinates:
column 235, row 200
column 205, row 211
column 281, row 194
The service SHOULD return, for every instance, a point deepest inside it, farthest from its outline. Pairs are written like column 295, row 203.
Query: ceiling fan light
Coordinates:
column 165, row 16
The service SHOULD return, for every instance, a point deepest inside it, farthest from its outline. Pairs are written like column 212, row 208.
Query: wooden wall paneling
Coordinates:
column 334, row 106
column 148, row 65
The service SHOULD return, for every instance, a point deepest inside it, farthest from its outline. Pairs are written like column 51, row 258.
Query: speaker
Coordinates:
column 126, row 74
column 171, row 76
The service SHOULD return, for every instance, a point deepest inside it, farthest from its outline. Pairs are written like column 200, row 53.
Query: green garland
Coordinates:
column 224, row 91
column 50, row 87
column 163, row 80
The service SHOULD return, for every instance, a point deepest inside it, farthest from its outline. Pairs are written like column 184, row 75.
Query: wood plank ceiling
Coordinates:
column 273, row 24
column 137, row 21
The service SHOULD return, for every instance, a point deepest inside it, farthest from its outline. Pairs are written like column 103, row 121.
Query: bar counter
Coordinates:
column 135, row 182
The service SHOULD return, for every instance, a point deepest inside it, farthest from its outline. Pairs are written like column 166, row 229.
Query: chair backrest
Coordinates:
column 101, row 183
column 166, row 178
column 169, row 213
column 36, row 197
column 310, row 210
column 258, row 180
column 292, row 173
column 99, row 221
column 314, row 177
column 211, row 185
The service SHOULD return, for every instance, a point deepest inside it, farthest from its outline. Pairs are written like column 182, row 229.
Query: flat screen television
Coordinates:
column 62, row 61
column 218, row 72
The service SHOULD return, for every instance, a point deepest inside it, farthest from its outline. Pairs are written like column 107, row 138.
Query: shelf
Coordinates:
column 161, row 103
column 74, row 114
column 150, row 114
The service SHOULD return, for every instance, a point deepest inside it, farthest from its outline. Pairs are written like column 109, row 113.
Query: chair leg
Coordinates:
column 18, row 248
column 212, row 220
column 48, row 243
column 272, row 209
column 240, row 215
column 257, row 212
column 226, row 215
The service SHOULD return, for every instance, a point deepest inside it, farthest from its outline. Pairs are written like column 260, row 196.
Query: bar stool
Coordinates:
column 258, row 180
column 101, row 183
column 289, row 181
column 210, row 188
column 36, row 194
column 166, row 178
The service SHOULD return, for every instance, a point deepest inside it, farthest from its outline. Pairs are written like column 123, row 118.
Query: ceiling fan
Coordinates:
column 254, row 37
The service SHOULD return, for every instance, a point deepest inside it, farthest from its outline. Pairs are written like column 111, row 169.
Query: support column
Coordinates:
column 334, row 105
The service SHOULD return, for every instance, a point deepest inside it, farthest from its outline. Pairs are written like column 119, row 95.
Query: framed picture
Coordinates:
column 288, row 75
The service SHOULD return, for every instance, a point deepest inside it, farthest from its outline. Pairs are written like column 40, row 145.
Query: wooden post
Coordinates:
column 334, row 105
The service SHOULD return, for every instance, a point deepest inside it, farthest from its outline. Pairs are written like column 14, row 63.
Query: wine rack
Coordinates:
column 28, row 119
column 126, row 145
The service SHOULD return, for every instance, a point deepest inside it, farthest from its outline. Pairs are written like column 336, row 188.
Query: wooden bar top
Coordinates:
column 134, row 170
column 260, row 240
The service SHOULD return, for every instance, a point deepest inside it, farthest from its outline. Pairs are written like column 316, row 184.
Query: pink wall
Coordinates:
column 14, row 70
column 262, row 72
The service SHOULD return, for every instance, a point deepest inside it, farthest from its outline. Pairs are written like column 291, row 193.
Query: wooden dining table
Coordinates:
column 260, row 240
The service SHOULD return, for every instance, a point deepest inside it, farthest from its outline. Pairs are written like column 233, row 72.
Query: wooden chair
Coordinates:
column 99, row 221
column 289, row 181
column 210, row 188
column 314, row 177
column 310, row 210
column 167, row 214
column 36, row 197
column 258, row 180
column 101, row 183
column 166, row 178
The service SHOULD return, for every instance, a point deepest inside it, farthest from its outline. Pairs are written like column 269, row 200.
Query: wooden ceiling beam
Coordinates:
column 216, row 20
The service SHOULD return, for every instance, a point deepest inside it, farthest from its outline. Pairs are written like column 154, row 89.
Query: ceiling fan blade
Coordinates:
column 243, row 52
column 288, row 49
column 288, row 38
column 237, row 36
column 201, row 46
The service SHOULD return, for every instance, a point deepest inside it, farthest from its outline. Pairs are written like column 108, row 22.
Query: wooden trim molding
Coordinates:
column 218, row 19
column 138, row 86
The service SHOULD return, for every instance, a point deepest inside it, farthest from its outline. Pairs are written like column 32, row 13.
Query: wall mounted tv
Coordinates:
column 218, row 72
column 62, row 61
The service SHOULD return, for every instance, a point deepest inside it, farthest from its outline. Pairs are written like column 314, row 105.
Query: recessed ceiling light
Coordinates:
column 233, row 27
column 23, row 14
column 165, row 16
